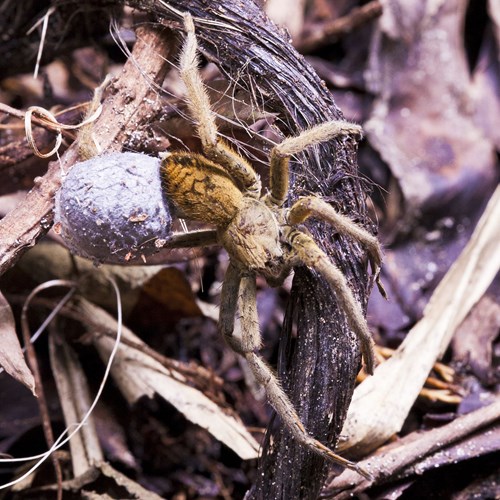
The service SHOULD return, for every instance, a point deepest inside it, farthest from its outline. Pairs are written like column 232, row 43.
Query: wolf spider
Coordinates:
column 260, row 235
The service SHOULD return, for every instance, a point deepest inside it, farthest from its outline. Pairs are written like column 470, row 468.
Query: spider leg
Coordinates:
column 200, row 109
column 201, row 238
column 312, row 206
column 238, row 290
column 229, row 304
column 284, row 408
column 280, row 154
column 311, row 255
column 242, row 290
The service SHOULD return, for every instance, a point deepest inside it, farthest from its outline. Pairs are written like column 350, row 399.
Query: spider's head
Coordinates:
column 252, row 237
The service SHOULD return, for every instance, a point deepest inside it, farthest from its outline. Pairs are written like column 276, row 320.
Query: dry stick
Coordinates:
column 128, row 105
column 392, row 462
column 331, row 31
column 42, row 402
column 382, row 402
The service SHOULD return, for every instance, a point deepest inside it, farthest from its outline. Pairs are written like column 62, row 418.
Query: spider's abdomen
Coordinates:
column 199, row 189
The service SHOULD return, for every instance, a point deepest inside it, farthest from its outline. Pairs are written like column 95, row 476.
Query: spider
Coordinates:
column 260, row 234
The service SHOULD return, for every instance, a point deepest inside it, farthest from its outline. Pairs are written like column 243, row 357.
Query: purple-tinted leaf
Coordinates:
column 11, row 354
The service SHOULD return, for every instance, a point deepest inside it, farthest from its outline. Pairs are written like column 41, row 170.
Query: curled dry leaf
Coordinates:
column 11, row 354
column 138, row 374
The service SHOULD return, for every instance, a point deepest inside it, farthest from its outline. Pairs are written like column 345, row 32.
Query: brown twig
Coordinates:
column 386, row 465
column 31, row 219
column 332, row 31
column 41, row 121
column 42, row 402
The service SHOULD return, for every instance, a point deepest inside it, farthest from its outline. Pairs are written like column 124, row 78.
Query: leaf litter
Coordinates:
column 429, row 109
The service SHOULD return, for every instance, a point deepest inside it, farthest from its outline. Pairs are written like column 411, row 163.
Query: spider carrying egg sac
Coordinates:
column 112, row 208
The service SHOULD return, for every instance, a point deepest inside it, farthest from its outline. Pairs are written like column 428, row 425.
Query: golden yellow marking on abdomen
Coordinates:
column 199, row 189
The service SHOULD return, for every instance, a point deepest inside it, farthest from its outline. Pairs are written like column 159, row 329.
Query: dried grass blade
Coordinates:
column 381, row 403
column 138, row 374
column 75, row 400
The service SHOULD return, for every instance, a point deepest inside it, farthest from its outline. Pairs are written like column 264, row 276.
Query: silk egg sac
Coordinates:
column 112, row 208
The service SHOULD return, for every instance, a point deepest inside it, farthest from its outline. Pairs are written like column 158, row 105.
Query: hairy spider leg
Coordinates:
column 192, row 239
column 307, row 252
column 223, row 189
column 312, row 206
column 228, row 306
column 200, row 109
column 240, row 291
column 280, row 154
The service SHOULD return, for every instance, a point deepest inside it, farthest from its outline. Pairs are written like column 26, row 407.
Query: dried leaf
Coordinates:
column 11, row 354
column 74, row 396
column 170, row 288
column 421, row 123
column 138, row 374
column 101, row 482
column 473, row 343
column 382, row 402
column 408, row 455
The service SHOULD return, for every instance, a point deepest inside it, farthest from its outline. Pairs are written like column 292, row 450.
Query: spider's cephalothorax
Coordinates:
column 260, row 235
column 246, row 227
